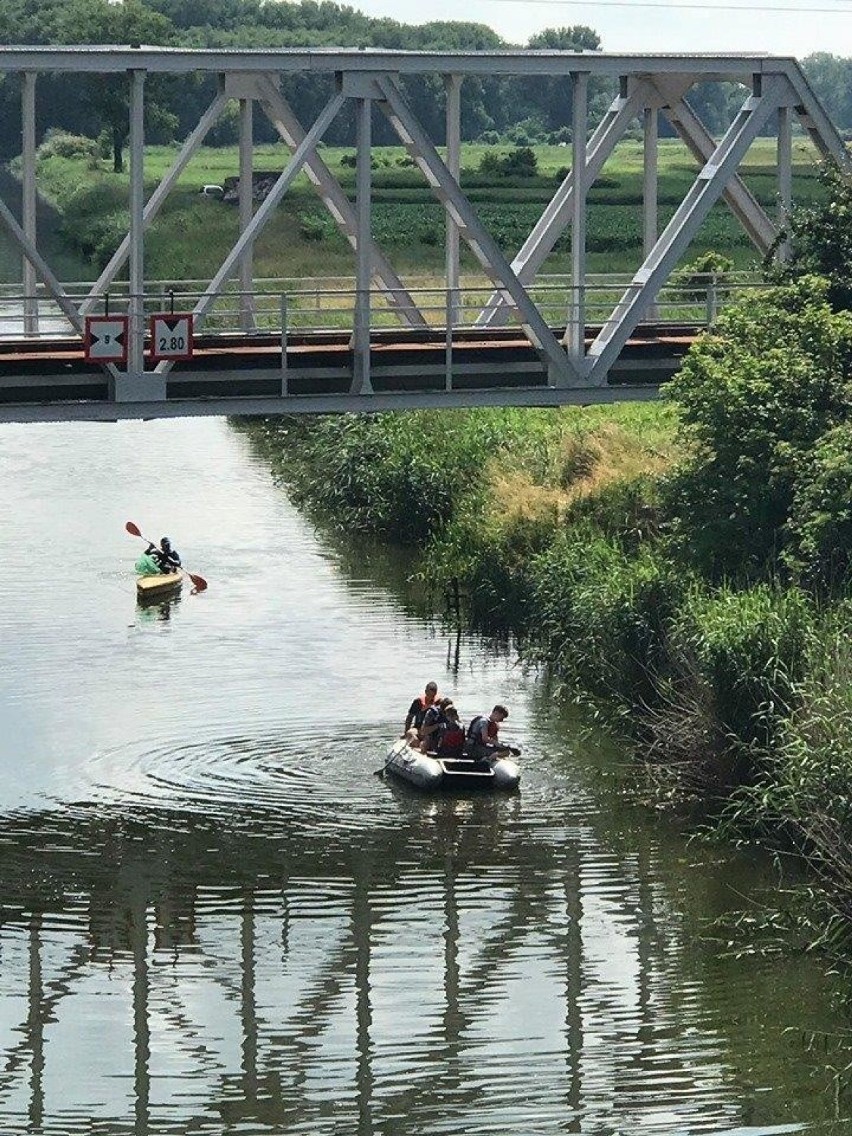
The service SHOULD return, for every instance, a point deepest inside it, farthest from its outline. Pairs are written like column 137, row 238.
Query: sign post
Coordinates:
column 105, row 339
column 171, row 336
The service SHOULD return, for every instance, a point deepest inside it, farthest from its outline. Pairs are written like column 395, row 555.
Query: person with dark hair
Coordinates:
column 434, row 721
column 165, row 556
column 482, row 734
column 417, row 711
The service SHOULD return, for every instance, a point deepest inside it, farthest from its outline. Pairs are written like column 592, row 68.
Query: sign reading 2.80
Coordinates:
column 171, row 336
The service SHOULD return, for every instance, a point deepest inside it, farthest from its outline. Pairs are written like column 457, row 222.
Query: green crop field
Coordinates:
column 193, row 233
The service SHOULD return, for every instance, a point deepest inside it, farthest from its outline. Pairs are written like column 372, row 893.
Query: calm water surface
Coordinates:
column 214, row 918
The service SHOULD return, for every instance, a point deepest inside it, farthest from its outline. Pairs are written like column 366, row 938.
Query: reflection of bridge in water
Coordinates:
column 459, row 356
column 289, row 999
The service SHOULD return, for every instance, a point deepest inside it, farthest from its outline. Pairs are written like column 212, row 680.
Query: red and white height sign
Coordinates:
column 171, row 336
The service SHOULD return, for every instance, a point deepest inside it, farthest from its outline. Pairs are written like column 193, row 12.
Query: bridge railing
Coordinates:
column 308, row 306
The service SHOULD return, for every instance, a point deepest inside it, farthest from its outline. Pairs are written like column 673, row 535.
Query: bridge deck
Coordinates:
column 243, row 374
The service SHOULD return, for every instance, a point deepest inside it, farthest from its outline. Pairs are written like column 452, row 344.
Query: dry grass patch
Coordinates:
column 587, row 452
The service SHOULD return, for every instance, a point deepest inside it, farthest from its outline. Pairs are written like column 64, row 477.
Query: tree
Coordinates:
column 754, row 398
column 831, row 78
column 551, row 98
column 108, row 96
column 577, row 38
column 821, row 238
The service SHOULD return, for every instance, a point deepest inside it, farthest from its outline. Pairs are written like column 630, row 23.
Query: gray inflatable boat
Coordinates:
column 426, row 771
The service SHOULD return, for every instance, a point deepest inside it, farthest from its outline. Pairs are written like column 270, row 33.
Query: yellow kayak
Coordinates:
column 161, row 584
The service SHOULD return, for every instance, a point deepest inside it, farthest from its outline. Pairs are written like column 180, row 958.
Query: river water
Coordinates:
column 216, row 918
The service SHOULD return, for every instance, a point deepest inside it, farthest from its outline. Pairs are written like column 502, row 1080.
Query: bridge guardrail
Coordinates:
column 304, row 306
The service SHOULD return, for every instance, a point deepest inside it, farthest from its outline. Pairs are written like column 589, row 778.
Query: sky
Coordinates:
column 655, row 26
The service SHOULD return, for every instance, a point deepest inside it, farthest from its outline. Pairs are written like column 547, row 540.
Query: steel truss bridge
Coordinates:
column 397, row 347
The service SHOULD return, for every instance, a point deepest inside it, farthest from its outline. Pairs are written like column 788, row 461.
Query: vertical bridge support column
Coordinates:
column 363, row 270
column 136, row 306
column 785, row 179
column 575, row 331
column 246, row 193
column 28, row 210
column 650, row 217
column 452, row 85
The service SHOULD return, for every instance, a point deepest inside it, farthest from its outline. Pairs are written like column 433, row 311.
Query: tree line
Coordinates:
column 523, row 110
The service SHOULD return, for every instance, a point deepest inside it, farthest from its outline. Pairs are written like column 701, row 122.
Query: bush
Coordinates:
column 490, row 558
column 814, row 758
column 748, row 648
column 312, row 227
column 820, row 526
column 397, row 474
column 58, row 144
column 625, row 511
column 491, row 163
column 691, row 281
column 822, row 240
column 599, row 616
column 95, row 220
column 804, row 796
column 520, row 162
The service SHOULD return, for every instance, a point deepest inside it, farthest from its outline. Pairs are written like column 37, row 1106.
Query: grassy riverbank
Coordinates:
column 193, row 233
column 683, row 565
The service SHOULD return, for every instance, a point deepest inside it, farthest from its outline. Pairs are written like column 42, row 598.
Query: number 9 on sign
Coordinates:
column 171, row 336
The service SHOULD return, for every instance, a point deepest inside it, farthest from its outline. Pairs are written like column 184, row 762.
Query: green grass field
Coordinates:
column 193, row 233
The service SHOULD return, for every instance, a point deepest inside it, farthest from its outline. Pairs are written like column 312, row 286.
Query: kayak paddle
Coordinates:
column 198, row 582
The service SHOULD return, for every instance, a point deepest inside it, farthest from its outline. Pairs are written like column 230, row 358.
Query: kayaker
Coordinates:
column 482, row 734
column 452, row 739
column 417, row 711
column 166, row 557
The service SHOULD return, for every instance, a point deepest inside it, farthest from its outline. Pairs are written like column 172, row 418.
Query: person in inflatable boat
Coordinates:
column 417, row 712
column 482, row 734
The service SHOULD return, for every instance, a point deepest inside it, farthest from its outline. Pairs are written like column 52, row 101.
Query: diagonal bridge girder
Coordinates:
column 157, row 199
column 667, row 93
column 335, row 200
column 700, row 143
column 264, row 212
column 286, row 123
column 561, row 369
column 557, row 215
column 680, row 231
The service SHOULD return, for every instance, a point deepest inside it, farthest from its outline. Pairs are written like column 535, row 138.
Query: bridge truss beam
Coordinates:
column 648, row 87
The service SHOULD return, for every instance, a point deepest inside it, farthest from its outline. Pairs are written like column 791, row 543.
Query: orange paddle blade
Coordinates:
column 132, row 529
column 198, row 582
